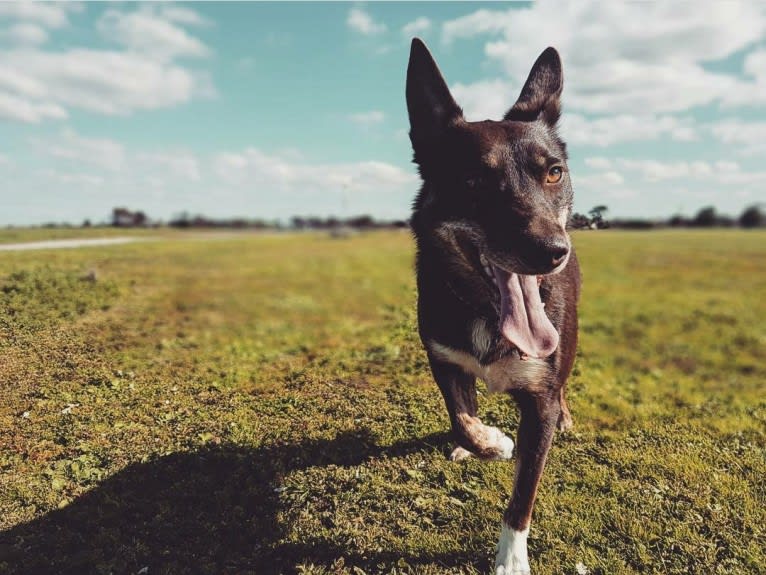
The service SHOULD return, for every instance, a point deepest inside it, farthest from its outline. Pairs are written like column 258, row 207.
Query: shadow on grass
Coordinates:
column 211, row 511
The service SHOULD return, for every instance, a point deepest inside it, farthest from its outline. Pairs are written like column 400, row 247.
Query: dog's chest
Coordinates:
column 504, row 374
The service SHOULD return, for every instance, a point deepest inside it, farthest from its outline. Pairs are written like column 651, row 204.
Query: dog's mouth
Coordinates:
column 523, row 320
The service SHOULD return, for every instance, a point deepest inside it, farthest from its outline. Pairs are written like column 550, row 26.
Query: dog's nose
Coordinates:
column 549, row 253
column 558, row 252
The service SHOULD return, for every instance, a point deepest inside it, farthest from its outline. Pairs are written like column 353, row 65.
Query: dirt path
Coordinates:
column 71, row 243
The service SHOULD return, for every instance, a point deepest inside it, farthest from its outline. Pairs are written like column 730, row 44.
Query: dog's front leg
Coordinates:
column 471, row 435
column 539, row 414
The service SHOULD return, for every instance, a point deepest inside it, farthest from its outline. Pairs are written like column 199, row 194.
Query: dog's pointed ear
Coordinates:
column 541, row 95
column 429, row 102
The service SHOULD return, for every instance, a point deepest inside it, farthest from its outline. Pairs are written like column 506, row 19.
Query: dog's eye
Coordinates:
column 554, row 175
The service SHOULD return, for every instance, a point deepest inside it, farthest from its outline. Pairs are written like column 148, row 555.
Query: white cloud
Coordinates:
column 747, row 138
column 718, row 173
column 368, row 118
column 612, row 177
column 641, row 33
column 13, row 107
column 361, row 22
column 598, row 163
column 417, row 26
column 753, row 92
column 486, row 99
column 475, row 24
column 99, row 152
column 26, row 34
column 607, row 130
column 250, row 182
column 149, row 31
column 113, row 158
column 655, row 170
column 652, row 188
column 48, row 14
column 755, row 64
column 37, row 84
column 106, row 82
column 605, row 178
column 17, row 81
column 183, row 15
column 281, row 186
column 257, row 167
column 161, row 182
column 627, row 86
column 625, row 57
column 492, row 98
column 600, row 187
column 30, row 23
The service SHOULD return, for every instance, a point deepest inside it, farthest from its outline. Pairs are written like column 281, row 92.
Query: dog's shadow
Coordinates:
column 210, row 511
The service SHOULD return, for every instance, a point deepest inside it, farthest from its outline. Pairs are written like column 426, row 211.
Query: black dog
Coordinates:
column 498, row 280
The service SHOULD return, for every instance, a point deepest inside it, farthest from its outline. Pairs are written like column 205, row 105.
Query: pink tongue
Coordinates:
column 522, row 316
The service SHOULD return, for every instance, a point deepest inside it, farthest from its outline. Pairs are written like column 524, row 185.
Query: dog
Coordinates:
column 497, row 276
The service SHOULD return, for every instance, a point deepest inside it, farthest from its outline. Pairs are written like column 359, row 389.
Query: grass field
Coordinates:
column 261, row 404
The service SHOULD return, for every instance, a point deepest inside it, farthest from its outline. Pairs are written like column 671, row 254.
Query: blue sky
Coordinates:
column 270, row 110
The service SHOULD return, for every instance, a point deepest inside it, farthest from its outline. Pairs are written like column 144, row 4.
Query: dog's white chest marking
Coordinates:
column 512, row 552
column 505, row 374
column 480, row 337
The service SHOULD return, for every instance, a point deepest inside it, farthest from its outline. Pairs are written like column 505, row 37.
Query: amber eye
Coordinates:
column 554, row 175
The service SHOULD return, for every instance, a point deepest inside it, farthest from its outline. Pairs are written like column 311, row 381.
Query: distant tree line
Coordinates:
column 752, row 217
column 363, row 222
column 125, row 218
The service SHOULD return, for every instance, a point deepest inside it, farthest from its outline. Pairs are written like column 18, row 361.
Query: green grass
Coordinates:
column 262, row 404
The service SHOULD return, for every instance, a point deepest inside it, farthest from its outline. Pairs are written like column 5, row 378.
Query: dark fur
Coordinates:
column 484, row 192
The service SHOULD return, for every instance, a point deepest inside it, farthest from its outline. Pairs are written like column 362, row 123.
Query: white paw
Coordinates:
column 502, row 446
column 512, row 552
column 459, row 454
column 505, row 445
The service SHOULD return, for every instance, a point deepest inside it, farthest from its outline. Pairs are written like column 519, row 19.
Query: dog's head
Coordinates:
column 502, row 187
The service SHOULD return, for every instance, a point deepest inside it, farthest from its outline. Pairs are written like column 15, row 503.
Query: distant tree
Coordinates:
column 200, row 221
column 120, row 217
column 678, row 221
column 579, row 222
column 752, row 217
column 124, row 218
column 597, row 216
column 705, row 218
column 140, row 219
column 86, row 224
column 633, row 224
column 181, row 220
column 361, row 222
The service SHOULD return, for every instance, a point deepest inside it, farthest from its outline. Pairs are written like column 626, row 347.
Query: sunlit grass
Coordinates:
column 262, row 404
